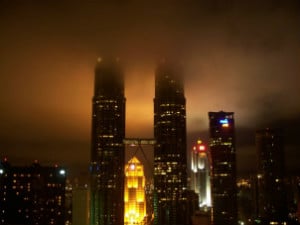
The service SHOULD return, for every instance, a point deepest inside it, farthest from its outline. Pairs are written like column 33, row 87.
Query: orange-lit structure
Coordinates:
column 134, row 198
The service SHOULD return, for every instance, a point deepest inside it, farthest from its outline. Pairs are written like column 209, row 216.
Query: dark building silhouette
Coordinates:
column 32, row 195
column 272, row 203
column 108, row 151
column 223, row 174
column 246, row 197
column 293, row 196
column 170, row 162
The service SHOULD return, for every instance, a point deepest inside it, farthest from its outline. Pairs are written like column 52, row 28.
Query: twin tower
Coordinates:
column 108, row 150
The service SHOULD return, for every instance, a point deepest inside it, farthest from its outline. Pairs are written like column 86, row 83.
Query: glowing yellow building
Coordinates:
column 135, row 202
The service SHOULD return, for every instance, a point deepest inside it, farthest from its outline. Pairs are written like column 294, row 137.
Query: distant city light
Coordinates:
column 202, row 148
column 62, row 172
column 1, row 171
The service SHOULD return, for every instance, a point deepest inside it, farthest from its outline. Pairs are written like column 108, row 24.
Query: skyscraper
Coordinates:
column 135, row 201
column 170, row 162
column 223, row 180
column 200, row 174
column 272, row 204
column 108, row 151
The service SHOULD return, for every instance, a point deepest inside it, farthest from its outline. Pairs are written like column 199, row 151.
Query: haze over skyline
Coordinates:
column 238, row 56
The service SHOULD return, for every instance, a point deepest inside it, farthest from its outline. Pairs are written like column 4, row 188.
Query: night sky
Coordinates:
column 240, row 56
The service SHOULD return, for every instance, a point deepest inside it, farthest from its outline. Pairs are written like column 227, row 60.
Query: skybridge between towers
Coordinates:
column 139, row 143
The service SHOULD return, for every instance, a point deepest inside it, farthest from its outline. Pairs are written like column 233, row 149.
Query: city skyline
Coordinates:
column 242, row 57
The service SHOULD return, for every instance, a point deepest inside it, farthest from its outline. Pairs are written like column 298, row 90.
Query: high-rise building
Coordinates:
column 200, row 174
column 272, row 204
column 32, row 194
column 107, row 150
column 139, row 144
column 170, row 162
column 135, row 201
column 223, row 176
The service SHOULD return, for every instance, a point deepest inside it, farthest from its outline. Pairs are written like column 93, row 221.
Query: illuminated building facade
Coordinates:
column 200, row 174
column 223, row 176
column 32, row 194
column 108, row 152
column 139, row 144
column 272, row 203
column 170, row 162
column 135, row 201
